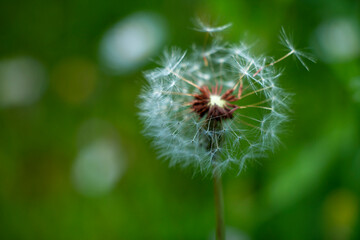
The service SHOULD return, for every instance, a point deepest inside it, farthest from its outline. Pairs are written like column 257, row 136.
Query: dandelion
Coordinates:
column 215, row 107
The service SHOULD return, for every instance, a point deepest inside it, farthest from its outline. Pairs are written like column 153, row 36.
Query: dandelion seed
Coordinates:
column 201, row 26
column 288, row 43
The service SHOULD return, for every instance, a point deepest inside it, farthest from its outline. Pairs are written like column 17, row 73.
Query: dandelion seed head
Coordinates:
column 217, row 106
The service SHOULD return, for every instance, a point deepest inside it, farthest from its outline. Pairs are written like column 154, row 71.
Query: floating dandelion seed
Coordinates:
column 201, row 26
column 287, row 42
column 215, row 108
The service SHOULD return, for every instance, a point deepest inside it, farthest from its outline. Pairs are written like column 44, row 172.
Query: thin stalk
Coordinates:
column 219, row 206
column 217, row 140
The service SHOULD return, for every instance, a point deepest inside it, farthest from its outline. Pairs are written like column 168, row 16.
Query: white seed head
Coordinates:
column 225, row 105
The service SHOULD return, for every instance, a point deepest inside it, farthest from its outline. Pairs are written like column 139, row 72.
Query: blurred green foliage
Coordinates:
column 308, row 189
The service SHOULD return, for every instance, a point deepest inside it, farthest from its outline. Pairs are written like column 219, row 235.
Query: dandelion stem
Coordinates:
column 219, row 205
column 214, row 143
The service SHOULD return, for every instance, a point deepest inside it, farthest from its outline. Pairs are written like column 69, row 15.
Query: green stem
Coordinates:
column 219, row 206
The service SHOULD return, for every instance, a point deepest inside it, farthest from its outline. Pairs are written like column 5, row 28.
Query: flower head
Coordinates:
column 215, row 107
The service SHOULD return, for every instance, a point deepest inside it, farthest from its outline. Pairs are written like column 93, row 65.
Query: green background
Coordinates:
column 309, row 188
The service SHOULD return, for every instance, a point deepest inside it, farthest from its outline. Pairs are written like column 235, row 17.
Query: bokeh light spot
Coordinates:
column 74, row 80
column 340, row 214
column 338, row 40
column 98, row 167
column 22, row 81
column 130, row 42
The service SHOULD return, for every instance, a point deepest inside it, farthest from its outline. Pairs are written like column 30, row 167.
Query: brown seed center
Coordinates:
column 214, row 105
